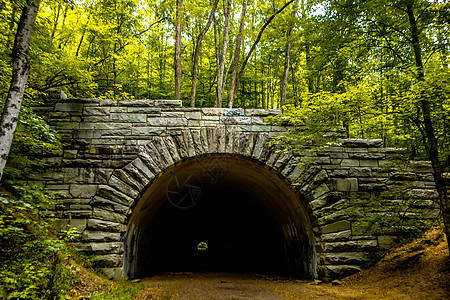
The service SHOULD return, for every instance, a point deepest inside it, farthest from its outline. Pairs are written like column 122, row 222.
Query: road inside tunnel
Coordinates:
column 220, row 213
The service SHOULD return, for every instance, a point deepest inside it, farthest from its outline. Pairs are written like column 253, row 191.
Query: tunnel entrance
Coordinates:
column 220, row 213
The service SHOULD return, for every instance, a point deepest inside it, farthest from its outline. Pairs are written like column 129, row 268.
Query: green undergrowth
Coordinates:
column 36, row 259
column 34, row 256
column 124, row 290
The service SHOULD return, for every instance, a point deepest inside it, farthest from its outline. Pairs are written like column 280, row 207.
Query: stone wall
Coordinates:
column 114, row 150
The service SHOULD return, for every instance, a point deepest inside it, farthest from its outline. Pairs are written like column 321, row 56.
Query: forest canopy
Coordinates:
column 354, row 62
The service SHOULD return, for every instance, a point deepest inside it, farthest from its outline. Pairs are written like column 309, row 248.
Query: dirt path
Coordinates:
column 228, row 286
column 418, row 270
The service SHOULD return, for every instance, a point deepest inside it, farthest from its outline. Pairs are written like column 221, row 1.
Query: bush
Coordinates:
column 33, row 258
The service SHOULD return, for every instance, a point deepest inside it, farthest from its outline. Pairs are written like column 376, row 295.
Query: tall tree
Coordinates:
column 221, row 54
column 177, row 60
column 287, row 58
column 426, row 124
column 198, row 46
column 237, row 52
column 236, row 79
column 20, row 71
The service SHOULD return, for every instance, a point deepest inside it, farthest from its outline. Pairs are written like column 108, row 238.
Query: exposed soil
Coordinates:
column 418, row 270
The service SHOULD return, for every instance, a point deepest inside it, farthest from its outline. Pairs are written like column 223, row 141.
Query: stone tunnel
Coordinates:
column 153, row 187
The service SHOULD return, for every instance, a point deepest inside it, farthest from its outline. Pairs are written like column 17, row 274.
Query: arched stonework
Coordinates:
column 126, row 185
column 117, row 151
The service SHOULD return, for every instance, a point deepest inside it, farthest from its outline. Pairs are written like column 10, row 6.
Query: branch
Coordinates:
column 241, row 71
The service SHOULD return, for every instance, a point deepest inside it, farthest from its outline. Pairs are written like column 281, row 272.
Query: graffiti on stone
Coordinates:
column 233, row 116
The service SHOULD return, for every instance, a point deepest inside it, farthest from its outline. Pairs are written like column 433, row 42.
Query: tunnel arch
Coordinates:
column 251, row 217
column 296, row 229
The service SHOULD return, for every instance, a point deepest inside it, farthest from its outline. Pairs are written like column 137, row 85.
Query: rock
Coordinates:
column 354, row 143
column 316, row 282
column 336, row 282
column 337, row 226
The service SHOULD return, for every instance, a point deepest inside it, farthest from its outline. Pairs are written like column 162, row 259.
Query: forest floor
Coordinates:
column 417, row 270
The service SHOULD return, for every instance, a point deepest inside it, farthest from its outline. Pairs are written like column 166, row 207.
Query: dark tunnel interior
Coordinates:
column 219, row 213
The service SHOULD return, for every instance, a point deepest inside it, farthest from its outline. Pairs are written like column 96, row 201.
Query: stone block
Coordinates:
column 338, row 271
column 67, row 125
column 150, row 111
column 344, row 235
column 350, row 246
column 193, row 115
column 141, row 172
column 323, row 160
column 112, row 126
column 262, row 112
column 194, row 123
column 259, row 145
column 96, row 111
column 108, row 102
column 113, row 273
column 69, row 107
column 172, row 114
column 386, row 242
column 119, row 109
column 128, row 118
column 77, row 214
column 360, row 172
column 354, row 143
column 346, row 258
column 211, row 118
column 78, row 224
column 101, row 225
column 107, row 215
column 255, row 128
column 137, row 103
column 107, row 260
column 319, row 191
column 339, row 173
column 147, row 130
column 123, row 187
column 366, row 155
column 110, row 193
column 128, row 179
column 333, row 216
column 423, row 193
column 347, row 184
column 168, row 103
column 114, row 134
column 336, row 227
column 167, row 122
column 99, row 247
column 212, row 111
column 349, row 163
column 368, row 163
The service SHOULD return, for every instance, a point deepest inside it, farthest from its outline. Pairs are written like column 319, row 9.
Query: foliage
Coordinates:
column 391, row 213
column 124, row 291
column 33, row 259
column 317, row 122
column 33, row 138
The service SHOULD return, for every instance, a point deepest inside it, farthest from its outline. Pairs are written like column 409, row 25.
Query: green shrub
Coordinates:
column 34, row 260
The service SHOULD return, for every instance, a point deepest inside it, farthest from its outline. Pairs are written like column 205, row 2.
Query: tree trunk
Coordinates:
column 234, row 86
column 178, row 51
column 20, row 70
column 431, row 143
column 55, row 26
column 198, row 46
column 237, row 52
column 287, row 58
column 223, row 54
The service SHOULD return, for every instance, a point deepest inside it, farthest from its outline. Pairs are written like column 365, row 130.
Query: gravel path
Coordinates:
column 227, row 286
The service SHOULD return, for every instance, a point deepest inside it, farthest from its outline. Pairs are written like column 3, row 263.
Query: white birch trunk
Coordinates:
column 20, row 69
